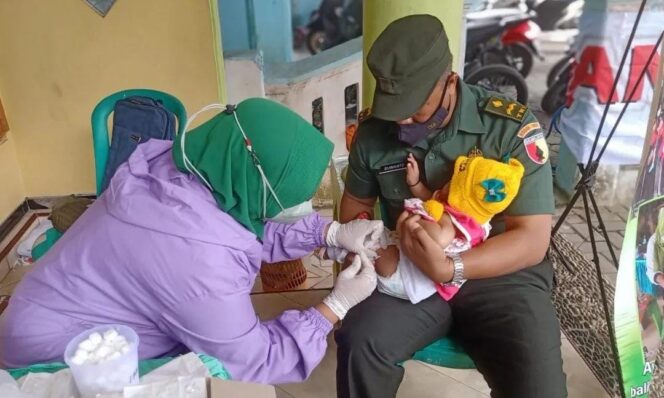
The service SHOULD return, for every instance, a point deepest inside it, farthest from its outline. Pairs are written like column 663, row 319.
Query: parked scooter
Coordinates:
column 557, row 81
column 556, row 94
column 315, row 33
column 499, row 78
column 335, row 22
column 503, row 36
column 520, row 45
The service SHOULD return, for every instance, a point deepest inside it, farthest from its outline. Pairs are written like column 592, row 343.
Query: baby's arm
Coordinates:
column 417, row 188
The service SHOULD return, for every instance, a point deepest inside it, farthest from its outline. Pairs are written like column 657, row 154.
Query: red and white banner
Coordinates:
column 604, row 31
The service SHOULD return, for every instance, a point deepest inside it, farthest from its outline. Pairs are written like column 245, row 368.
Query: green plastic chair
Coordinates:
column 100, row 140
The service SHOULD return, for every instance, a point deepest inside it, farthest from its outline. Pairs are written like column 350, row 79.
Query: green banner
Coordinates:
column 639, row 298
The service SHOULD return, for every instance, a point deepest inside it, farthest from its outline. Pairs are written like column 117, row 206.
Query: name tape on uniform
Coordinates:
column 389, row 168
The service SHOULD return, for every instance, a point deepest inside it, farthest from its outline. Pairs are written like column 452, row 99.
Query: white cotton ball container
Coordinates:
column 103, row 366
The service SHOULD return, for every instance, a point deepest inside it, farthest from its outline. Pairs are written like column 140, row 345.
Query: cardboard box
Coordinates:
column 218, row 388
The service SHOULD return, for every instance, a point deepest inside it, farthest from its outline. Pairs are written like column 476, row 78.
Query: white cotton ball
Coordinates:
column 114, row 355
column 95, row 338
column 111, row 334
column 119, row 342
column 81, row 353
column 87, row 345
column 79, row 360
column 124, row 349
column 103, row 350
column 94, row 358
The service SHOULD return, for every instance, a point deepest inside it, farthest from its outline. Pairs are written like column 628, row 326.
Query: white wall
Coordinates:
column 330, row 84
column 244, row 79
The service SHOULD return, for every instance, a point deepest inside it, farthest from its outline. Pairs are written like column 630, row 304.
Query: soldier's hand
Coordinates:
column 422, row 250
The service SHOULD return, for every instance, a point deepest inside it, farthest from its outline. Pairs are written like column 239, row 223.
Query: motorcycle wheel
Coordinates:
column 316, row 41
column 520, row 58
column 502, row 79
column 554, row 97
column 557, row 69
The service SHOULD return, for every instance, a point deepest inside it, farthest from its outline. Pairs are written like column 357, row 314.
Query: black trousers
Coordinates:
column 506, row 324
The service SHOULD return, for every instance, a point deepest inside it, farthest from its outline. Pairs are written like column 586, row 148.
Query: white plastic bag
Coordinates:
column 10, row 389
column 183, row 377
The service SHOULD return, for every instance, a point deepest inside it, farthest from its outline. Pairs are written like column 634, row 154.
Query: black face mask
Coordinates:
column 412, row 133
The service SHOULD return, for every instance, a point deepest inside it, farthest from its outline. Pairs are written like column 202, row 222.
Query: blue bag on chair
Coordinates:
column 136, row 120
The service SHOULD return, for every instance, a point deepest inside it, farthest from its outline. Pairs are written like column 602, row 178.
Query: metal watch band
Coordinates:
column 458, row 269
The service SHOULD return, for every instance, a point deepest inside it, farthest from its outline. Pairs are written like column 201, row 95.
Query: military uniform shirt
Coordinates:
column 483, row 123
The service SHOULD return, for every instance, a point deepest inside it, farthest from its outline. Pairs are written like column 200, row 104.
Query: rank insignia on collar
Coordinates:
column 509, row 109
column 475, row 152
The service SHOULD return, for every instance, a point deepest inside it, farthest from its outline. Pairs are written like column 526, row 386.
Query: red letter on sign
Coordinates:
column 640, row 55
column 593, row 71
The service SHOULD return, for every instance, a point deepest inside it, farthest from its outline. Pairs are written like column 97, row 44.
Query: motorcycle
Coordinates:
column 499, row 78
column 503, row 36
column 335, row 22
column 487, row 64
column 519, row 42
column 315, row 33
column 556, row 94
column 557, row 81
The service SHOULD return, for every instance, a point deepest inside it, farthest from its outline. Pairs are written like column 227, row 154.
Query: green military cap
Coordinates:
column 407, row 59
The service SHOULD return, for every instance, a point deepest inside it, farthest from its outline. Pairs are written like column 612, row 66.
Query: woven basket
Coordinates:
column 284, row 275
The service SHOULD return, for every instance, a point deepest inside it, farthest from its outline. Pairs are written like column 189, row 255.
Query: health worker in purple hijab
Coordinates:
column 173, row 246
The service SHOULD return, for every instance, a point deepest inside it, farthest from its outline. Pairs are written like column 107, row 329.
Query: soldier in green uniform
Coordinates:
column 503, row 316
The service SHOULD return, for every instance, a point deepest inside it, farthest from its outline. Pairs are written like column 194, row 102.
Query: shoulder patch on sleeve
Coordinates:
column 536, row 148
column 524, row 130
column 506, row 108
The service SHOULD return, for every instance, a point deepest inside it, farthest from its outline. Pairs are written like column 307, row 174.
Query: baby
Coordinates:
column 457, row 217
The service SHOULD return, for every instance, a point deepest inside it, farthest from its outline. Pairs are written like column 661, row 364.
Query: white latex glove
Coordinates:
column 336, row 254
column 353, row 285
column 357, row 236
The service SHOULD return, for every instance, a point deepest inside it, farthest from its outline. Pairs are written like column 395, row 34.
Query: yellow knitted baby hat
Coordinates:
column 482, row 188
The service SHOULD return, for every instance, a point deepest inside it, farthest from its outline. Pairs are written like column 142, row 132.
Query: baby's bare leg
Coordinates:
column 386, row 263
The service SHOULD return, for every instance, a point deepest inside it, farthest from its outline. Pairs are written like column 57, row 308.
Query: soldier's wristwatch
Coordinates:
column 458, row 278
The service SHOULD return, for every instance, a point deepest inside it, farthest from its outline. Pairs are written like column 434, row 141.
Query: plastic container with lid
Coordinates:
column 109, row 374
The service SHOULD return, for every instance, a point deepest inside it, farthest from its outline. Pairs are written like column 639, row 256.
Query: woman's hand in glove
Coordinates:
column 352, row 286
column 357, row 236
